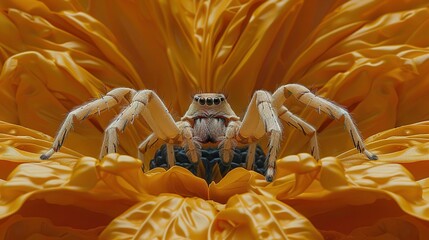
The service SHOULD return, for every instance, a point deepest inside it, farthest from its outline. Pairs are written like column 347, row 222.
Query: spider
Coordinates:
column 211, row 120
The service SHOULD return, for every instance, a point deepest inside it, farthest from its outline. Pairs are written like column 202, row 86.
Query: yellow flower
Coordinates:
column 369, row 56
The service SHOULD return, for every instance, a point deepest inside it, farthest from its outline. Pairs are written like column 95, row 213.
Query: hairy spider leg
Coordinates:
column 112, row 98
column 229, row 142
column 301, row 125
column 260, row 119
column 304, row 95
column 192, row 147
column 147, row 143
column 148, row 104
column 250, row 159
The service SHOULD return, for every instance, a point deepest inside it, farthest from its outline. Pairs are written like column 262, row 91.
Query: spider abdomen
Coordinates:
column 209, row 129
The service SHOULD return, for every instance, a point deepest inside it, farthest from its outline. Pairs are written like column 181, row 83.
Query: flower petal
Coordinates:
column 124, row 174
column 294, row 175
column 64, row 181
column 351, row 192
column 407, row 145
column 18, row 227
column 250, row 216
column 165, row 216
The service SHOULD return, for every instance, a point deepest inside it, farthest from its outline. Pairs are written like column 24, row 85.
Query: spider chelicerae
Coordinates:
column 211, row 120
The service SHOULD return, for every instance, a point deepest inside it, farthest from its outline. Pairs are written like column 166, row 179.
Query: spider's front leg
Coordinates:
column 229, row 142
column 147, row 103
column 111, row 99
column 260, row 119
column 193, row 149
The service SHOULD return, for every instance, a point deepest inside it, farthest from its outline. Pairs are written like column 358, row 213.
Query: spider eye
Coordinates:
column 209, row 101
column 202, row 101
column 216, row 101
column 196, row 99
column 222, row 99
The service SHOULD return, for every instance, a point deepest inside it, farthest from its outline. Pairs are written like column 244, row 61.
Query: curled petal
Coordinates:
column 20, row 145
column 60, row 184
column 125, row 175
column 250, row 216
column 294, row 174
column 407, row 145
column 166, row 217
column 65, row 180
column 236, row 181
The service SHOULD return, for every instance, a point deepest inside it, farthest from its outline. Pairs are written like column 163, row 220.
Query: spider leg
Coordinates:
column 145, row 145
column 111, row 99
column 147, row 103
column 171, row 159
column 148, row 142
column 304, row 127
column 260, row 119
column 229, row 142
column 304, row 95
column 250, row 156
column 192, row 147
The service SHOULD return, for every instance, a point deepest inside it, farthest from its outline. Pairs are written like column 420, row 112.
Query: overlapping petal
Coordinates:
column 252, row 216
column 315, row 189
column 179, row 217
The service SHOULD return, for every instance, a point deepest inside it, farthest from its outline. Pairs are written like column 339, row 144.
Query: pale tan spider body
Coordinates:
column 211, row 120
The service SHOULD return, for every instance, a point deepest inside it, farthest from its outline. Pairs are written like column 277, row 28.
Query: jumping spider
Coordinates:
column 210, row 120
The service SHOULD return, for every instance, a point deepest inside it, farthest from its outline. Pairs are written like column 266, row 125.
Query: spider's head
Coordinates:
column 209, row 105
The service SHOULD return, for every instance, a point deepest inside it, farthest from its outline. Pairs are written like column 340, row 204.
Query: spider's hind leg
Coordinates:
column 304, row 95
column 250, row 159
column 145, row 145
column 302, row 126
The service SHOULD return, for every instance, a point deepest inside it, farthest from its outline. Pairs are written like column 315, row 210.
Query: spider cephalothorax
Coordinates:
column 211, row 120
column 209, row 115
